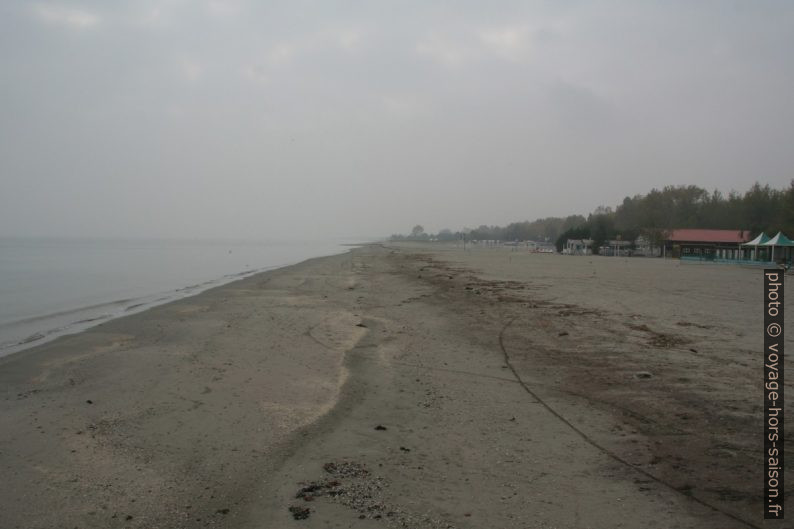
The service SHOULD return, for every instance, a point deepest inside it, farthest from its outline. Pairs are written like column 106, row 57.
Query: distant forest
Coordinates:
column 761, row 208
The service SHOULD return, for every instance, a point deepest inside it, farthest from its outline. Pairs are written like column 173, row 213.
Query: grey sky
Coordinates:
column 252, row 119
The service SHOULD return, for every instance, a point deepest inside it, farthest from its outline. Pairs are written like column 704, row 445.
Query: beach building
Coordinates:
column 705, row 244
column 644, row 248
column 616, row 248
column 578, row 247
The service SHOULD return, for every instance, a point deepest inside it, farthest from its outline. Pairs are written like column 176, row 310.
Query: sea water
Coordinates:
column 50, row 287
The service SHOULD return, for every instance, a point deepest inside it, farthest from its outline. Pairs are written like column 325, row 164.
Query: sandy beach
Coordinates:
column 402, row 385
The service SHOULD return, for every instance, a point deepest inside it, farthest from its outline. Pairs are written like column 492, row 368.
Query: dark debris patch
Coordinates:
column 316, row 489
column 365, row 494
column 300, row 513
column 346, row 469
column 659, row 339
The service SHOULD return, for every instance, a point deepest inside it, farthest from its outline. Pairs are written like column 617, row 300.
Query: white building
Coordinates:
column 578, row 247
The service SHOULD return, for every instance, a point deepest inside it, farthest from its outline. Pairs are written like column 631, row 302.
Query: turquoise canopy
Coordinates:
column 758, row 241
column 779, row 240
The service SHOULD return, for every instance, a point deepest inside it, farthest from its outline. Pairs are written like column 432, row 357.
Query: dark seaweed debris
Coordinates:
column 300, row 513
column 353, row 485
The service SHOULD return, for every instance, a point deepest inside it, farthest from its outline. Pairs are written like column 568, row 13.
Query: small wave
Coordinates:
column 32, row 338
column 77, row 310
column 91, row 320
column 241, row 274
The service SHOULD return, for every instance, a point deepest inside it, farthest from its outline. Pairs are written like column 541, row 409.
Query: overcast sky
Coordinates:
column 252, row 119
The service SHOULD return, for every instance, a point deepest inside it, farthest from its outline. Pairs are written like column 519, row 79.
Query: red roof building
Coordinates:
column 705, row 244
column 709, row 236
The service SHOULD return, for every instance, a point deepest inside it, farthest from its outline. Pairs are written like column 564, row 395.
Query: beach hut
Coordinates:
column 755, row 243
column 782, row 244
column 578, row 247
column 702, row 244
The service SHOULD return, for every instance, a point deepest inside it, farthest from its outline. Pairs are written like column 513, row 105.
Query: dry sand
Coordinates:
column 403, row 386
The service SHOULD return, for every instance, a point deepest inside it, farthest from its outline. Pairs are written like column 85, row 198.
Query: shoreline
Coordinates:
column 119, row 413
column 402, row 374
column 91, row 315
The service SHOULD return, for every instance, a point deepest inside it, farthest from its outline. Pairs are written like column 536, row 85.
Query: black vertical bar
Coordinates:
column 773, row 394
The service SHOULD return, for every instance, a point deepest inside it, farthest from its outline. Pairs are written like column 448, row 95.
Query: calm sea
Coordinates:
column 50, row 287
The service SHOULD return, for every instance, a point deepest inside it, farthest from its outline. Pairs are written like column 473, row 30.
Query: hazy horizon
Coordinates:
column 231, row 119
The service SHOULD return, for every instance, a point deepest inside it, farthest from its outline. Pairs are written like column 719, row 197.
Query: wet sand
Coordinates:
column 402, row 386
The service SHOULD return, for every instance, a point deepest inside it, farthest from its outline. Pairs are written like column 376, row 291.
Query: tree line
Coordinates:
column 760, row 208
